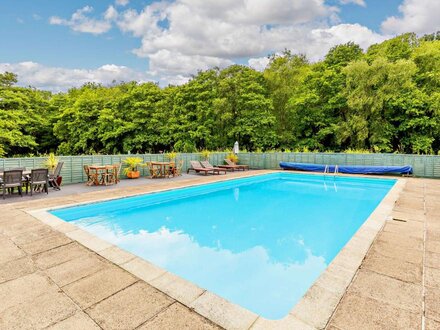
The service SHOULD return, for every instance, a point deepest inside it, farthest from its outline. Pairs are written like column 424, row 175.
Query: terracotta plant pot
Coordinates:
column 133, row 174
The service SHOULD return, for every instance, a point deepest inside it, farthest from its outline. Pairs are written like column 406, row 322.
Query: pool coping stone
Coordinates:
column 312, row 311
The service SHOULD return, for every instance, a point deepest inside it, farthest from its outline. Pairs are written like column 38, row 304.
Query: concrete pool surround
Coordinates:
column 313, row 311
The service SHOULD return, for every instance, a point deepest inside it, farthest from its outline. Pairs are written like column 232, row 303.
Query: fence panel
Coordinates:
column 73, row 169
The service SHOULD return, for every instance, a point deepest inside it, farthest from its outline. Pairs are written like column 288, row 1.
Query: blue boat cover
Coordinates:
column 351, row 169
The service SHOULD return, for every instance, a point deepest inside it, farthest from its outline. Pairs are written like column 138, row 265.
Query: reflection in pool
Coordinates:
column 258, row 242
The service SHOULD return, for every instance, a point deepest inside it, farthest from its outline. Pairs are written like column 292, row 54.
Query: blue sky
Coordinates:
column 59, row 44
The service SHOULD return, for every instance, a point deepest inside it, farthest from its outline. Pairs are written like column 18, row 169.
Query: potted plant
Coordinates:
column 171, row 156
column 205, row 154
column 51, row 162
column 232, row 157
column 131, row 171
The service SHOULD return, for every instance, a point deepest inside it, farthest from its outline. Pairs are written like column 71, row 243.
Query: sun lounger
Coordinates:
column 198, row 168
column 237, row 166
column 207, row 164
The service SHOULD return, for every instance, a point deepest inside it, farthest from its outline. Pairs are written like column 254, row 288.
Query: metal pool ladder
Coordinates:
column 327, row 170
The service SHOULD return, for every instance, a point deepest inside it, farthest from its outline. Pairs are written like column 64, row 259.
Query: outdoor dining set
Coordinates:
column 102, row 174
column 38, row 179
column 110, row 174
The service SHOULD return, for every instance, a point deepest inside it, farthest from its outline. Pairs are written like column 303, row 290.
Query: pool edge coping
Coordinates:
column 312, row 311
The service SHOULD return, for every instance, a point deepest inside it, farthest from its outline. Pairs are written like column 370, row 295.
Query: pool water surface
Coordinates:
column 259, row 242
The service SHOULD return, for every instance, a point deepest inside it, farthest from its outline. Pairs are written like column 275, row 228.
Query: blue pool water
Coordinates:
column 259, row 242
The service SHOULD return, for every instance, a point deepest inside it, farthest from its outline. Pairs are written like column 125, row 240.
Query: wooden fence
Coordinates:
column 72, row 172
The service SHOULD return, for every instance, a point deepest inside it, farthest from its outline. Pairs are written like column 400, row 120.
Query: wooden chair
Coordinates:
column 118, row 168
column 53, row 178
column 108, row 177
column 153, row 170
column 12, row 179
column 90, row 178
column 38, row 178
column 178, row 168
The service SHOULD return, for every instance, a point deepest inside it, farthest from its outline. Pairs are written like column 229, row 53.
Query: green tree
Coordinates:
column 285, row 75
column 8, row 79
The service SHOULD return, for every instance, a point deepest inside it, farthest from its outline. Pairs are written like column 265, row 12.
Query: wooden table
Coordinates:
column 100, row 174
column 162, row 169
column 27, row 172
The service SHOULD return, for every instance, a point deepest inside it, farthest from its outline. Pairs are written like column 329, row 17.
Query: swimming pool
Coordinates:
column 259, row 242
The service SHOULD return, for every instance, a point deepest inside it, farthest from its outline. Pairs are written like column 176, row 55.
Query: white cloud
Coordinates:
column 259, row 63
column 321, row 40
column 80, row 22
column 197, row 33
column 217, row 28
column 420, row 16
column 181, row 37
column 122, row 2
column 110, row 14
column 166, row 61
column 356, row 2
column 59, row 79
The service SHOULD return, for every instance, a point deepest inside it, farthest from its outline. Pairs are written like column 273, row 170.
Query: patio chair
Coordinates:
column 12, row 179
column 198, row 168
column 108, row 176
column 38, row 178
column 178, row 168
column 241, row 167
column 154, row 171
column 53, row 178
column 117, row 173
column 90, row 178
column 207, row 164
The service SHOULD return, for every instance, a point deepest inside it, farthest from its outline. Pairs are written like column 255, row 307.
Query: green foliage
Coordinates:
column 232, row 157
column 357, row 151
column 7, row 79
column 205, row 154
column 386, row 99
column 171, row 155
column 132, row 164
column 51, row 162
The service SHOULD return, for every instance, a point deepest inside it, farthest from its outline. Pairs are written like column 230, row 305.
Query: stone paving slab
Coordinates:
column 432, row 303
column 360, row 312
column 76, row 269
column 23, row 289
column 17, row 268
column 179, row 317
column 98, row 286
column 394, row 268
column 38, row 313
column 60, row 255
column 140, row 302
column 398, row 284
column 77, row 321
column 431, row 324
column 49, row 280
column 397, row 293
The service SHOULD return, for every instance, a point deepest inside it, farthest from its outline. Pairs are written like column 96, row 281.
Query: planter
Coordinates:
column 133, row 174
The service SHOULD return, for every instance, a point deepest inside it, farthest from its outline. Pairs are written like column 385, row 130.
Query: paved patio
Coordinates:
column 48, row 280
